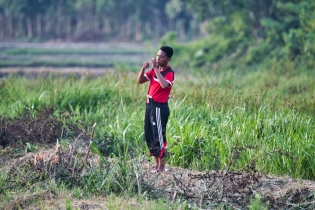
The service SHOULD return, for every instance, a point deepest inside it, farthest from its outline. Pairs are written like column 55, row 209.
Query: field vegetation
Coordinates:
column 241, row 130
column 72, row 55
column 211, row 115
column 252, row 120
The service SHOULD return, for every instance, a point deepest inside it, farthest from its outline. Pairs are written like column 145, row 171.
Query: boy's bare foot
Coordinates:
column 161, row 170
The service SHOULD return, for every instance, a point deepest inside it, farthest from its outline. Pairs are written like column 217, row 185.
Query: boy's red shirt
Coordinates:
column 155, row 91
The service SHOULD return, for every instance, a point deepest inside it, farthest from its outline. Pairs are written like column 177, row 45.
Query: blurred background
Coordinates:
column 243, row 99
column 96, row 20
column 206, row 34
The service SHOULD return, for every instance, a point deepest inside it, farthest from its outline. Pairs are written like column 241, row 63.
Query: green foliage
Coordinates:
column 245, row 34
column 119, row 178
column 3, row 188
column 205, row 53
column 257, row 204
column 29, row 147
column 291, row 27
column 68, row 204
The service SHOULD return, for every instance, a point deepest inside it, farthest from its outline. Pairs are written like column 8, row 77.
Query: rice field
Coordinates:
column 90, row 55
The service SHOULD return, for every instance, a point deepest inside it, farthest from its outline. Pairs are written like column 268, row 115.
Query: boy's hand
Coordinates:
column 154, row 63
column 145, row 65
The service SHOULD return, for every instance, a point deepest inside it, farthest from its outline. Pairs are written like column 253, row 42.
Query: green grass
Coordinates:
column 257, row 121
column 208, row 119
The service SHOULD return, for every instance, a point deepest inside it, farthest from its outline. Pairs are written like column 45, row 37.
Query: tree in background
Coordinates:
column 229, row 31
column 91, row 20
column 181, row 18
column 248, row 32
column 29, row 10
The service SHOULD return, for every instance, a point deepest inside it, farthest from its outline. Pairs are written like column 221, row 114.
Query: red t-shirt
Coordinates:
column 155, row 91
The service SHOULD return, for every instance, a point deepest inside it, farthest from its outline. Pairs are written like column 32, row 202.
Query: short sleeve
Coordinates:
column 149, row 74
column 169, row 77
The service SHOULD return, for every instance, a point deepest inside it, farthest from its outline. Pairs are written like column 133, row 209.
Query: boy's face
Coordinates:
column 162, row 59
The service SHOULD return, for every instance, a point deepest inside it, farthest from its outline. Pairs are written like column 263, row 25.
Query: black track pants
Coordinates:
column 156, row 117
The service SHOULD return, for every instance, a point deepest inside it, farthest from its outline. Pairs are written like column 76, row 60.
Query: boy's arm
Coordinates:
column 164, row 84
column 141, row 77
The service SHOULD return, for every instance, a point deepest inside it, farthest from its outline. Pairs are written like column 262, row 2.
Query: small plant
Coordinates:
column 29, row 147
column 68, row 204
column 257, row 204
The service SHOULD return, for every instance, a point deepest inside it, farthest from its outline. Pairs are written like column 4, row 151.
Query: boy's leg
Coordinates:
column 162, row 162
column 164, row 114
column 157, row 162
column 155, row 132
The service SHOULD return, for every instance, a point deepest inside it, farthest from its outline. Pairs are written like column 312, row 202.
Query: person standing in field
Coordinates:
column 161, row 78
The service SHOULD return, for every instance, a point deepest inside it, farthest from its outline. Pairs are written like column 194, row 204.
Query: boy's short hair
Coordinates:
column 168, row 51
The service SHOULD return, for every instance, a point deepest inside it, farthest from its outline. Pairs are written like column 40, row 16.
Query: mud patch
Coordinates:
column 41, row 129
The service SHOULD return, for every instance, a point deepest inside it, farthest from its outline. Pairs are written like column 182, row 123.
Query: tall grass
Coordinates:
column 260, row 120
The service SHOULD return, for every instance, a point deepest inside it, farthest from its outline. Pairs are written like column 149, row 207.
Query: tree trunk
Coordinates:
column 158, row 27
column 106, row 26
column 95, row 18
column 47, row 24
column 147, row 29
column 10, row 27
column 2, row 27
column 128, row 29
column 96, row 25
column 69, row 28
column 182, row 33
column 171, row 24
column 79, row 24
column 21, row 26
column 268, row 4
column 58, row 26
column 59, row 18
column 29, row 27
column 116, row 29
column 39, row 25
column 138, row 31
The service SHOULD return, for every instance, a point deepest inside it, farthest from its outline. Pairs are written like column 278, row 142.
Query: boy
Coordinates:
column 161, row 78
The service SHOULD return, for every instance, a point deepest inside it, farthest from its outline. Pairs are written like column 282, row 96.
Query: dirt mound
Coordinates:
column 26, row 128
column 213, row 189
